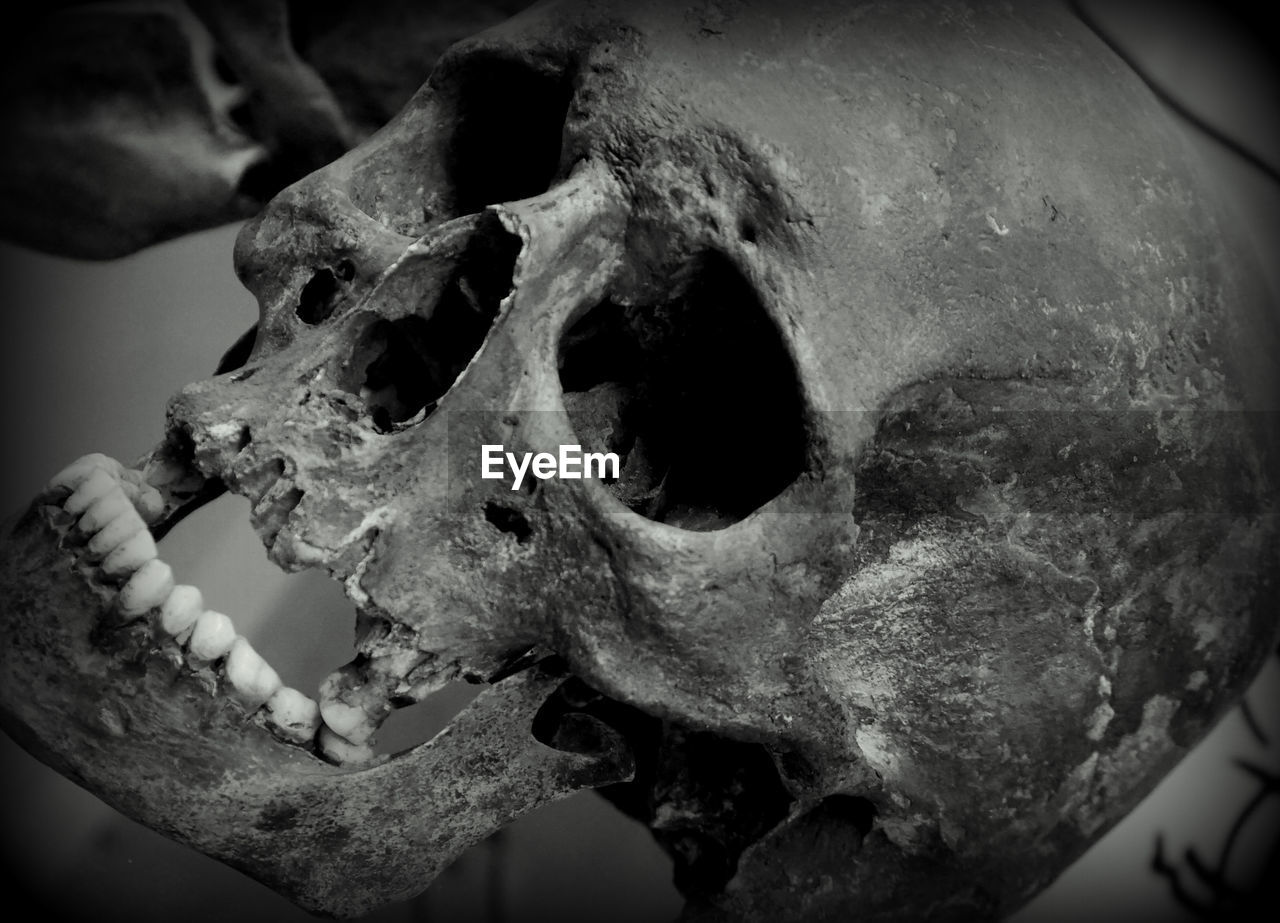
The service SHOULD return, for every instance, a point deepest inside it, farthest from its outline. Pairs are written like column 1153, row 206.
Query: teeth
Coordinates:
column 115, row 505
column 103, row 510
column 349, row 721
column 347, row 705
column 293, row 715
column 145, row 498
column 340, row 751
column 179, row 612
column 97, row 484
column 146, row 589
column 116, row 533
column 211, row 637
column 252, row 679
column 131, row 556
column 71, row 477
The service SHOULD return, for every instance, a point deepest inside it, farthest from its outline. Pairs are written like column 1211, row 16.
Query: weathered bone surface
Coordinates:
column 130, row 123
column 945, row 526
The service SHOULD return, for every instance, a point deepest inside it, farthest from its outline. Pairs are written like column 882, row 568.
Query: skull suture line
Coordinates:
column 948, row 254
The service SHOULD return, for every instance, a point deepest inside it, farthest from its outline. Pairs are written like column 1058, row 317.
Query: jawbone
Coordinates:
column 102, row 678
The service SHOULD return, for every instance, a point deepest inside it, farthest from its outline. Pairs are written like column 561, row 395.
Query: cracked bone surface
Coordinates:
column 945, row 523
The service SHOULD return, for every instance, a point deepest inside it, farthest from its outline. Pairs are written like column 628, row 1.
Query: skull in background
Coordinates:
column 132, row 123
column 944, row 522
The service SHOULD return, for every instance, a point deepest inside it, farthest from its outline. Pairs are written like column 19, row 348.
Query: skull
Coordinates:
column 944, row 520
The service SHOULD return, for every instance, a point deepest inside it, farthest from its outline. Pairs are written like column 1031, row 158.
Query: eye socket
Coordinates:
column 698, row 396
column 510, row 117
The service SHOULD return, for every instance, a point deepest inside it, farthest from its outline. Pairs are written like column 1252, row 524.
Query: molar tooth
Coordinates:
column 179, row 612
column 212, row 636
column 252, row 679
column 131, row 555
column 293, row 716
column 341, row 751
column 355, row 699
column 148, row 588
column 350, row 721
column 71, row 477
column 98, row 484
column 116, row 533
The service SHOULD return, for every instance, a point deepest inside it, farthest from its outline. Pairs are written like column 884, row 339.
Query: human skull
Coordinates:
column 994, row 554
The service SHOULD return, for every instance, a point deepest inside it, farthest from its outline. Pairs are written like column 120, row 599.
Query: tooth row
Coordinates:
column 92, row 477
column 114, row 506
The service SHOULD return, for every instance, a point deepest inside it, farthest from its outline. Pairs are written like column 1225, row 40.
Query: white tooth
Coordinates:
column 116, row 533
column 149, row 586
column 350, row 721
column 179, row 612
column 97, row 484
column 252, row 678
column 71, row 477
column 130, row 556
column 150, row 504
column 212, row 636
column 145, row 499
column 103, row 510
column 342, row 751
column 293, row 715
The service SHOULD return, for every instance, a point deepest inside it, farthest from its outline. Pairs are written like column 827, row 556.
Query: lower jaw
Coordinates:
column 203, row 745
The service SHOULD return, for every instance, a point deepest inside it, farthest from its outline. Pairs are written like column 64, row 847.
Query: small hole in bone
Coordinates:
column 698, row 396
column 509, row 520
column 509, row 118
column 748, row 232
column 401, row 368
column 243, row 438
column 318, row 297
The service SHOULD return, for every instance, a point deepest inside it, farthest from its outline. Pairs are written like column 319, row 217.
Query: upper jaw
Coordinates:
column 102, row 676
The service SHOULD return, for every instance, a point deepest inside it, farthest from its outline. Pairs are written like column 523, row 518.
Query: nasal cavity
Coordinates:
column 697, row 395
column 401, row 368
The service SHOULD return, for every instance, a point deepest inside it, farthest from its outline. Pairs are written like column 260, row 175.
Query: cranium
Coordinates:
column 992, row 551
